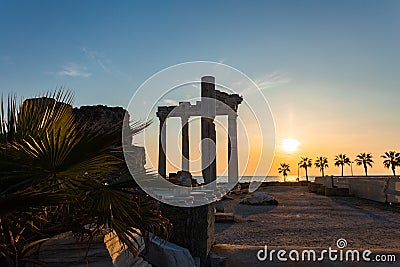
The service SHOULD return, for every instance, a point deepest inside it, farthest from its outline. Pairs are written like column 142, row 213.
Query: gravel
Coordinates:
column 304, row 219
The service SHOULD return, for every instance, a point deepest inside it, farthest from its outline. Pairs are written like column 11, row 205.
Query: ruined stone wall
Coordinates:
column 104, row 116
column 193, row 228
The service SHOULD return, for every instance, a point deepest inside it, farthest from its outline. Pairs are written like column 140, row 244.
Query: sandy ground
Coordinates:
column 304, row 220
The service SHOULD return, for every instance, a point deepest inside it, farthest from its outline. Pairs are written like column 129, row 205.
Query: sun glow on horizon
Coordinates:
column 289, row 145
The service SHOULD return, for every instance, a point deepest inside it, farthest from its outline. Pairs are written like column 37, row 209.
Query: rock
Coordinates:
column 197, row 261
column 313, row 187
column 316, row 188
column 219, row 207
column 340, row 192
column 163, row 253
column 259, row 198
column 217, row 261
column 224, row 217
column 105, row 251
column 183, row 178
column 225, row 197
column 236, row 190
column 138, row 262
column 143, row 263
column 64, row 250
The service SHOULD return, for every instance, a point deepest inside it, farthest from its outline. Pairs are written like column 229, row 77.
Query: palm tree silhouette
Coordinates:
column 392, row 160
column 341, row 160
column 58, row 174
column 305, row 163
column 284, row 169
column 321, row 163
column 364, row 159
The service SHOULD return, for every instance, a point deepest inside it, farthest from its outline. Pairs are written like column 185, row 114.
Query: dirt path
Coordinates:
column 307, row 220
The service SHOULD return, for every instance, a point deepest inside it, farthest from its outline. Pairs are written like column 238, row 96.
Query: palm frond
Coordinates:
column 28, row 199
column 55, row 174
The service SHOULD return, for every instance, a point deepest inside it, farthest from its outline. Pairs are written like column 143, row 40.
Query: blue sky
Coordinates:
column 328, row 65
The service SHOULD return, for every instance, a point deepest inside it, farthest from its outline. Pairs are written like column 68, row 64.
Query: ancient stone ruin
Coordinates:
column 213, row 103
column 193, row 227
column 107, row 117
column 104, row 118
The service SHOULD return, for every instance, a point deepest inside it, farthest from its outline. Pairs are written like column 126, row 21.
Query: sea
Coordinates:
column 247, row 179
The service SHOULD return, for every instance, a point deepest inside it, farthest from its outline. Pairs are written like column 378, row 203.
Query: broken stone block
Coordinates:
column 259, row 198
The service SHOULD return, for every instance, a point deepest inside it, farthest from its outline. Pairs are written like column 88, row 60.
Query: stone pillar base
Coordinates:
column 193, row 228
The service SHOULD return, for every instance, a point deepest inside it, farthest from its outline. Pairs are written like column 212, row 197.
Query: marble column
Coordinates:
column 162, row 147
column 185, row 143
column 208, row 134
column 232, row 149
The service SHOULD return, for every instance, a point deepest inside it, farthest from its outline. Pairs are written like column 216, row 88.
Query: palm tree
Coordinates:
column 341, row 160
column 392, row 160
column 321, row 163
column 364, row 159
column 55, row 177
column 305, row 163
column 284, row 169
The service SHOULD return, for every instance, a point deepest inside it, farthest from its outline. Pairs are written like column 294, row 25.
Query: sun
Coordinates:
column 289, row 145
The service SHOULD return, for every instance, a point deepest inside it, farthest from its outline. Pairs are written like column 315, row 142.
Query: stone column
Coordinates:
column 162, row 147
column 232, row 149
column 185, row 143
column 208, row 135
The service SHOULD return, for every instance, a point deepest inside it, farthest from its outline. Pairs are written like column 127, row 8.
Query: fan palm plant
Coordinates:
column 322, row 164
column 391, row 160
column 305, row 163
column 364, row 159
column 284, row 169
column 341, row 160
column 54, row 176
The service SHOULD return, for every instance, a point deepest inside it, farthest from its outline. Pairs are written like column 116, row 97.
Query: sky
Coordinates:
column 330, row 70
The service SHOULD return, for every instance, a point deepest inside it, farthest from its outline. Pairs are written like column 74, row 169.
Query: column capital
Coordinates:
column 185, row 117
column 232, row 116
column 162, row 116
